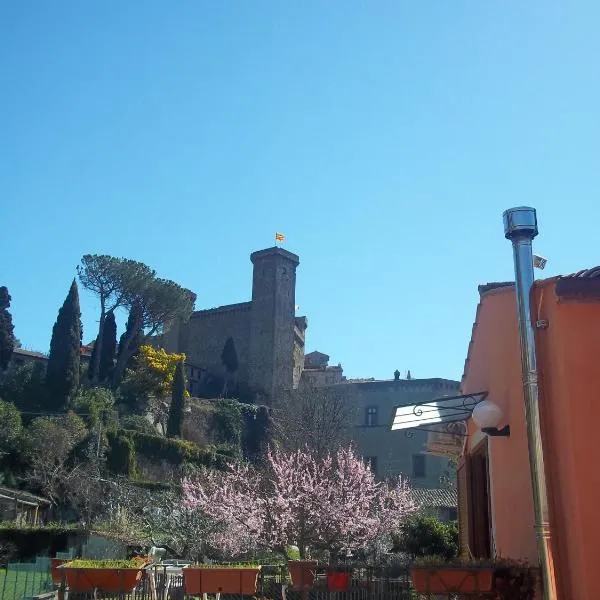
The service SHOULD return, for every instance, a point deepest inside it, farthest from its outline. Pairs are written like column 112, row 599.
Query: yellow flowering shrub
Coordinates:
column 160, row 366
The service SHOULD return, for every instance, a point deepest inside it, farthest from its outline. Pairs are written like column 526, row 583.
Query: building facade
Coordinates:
column 392, row 453
column 318, row 374
column 372, row 405
column 495, row 491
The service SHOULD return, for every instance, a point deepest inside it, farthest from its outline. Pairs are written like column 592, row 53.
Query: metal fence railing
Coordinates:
column 166, row 583
column 24, row 580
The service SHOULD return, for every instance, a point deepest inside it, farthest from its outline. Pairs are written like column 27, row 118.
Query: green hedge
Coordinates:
column 120, row 458
column 29, row 542
column 177, row 451
column 125, row 444
column 227, row 424
column 428, row 536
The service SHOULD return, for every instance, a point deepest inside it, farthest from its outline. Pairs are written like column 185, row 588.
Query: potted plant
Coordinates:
column 434, row 575
column 103, row 575
column 221, row 579
column 55, row 572
column 514, row 580
column 302, row 573
column 508, row 579
column 339, row 578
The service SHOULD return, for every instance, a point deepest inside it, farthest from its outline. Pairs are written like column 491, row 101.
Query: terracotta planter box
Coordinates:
column 55, row 572
column 339, row 581
column 82, row 579
column 199, row 580
column 445, row 580
column 302, row 573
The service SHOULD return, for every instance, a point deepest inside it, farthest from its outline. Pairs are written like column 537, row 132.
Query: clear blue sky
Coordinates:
column 384, row 138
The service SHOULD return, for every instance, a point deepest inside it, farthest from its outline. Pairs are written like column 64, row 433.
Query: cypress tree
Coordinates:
column 7, row 336
column 62, row 375
column 132, row 331
column 230, row 361
column 229, row 356
column 109, row 347
column 175, row 420
column 90, row 371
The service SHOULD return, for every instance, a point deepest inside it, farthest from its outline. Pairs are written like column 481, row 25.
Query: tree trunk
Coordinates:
column 98, row 344
column 125, row 354
column 302, row 547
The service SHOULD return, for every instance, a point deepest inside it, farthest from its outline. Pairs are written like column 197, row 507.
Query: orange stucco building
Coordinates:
column 495, row 492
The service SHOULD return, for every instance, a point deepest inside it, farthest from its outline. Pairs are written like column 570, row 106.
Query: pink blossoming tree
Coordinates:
column 298, row 499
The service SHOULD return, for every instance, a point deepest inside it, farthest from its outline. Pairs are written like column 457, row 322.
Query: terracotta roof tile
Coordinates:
column 435, row 498
column 592, row 273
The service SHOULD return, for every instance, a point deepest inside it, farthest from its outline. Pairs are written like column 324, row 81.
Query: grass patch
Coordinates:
column 15, row 585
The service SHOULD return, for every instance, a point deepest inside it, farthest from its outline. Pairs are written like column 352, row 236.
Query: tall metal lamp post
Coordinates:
column 520, row 227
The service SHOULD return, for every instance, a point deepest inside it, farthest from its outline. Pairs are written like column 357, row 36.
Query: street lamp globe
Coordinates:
column 487, row 415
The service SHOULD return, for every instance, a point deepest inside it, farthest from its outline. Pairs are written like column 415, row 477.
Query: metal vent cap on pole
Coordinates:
column 520, row 222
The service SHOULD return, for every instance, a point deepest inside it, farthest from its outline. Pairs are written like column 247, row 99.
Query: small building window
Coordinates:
column 371, row 416
column 371, row 462
column 418, row 465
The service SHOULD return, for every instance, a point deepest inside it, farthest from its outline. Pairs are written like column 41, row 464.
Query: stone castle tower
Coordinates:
column 272, row 321
column 268, row 337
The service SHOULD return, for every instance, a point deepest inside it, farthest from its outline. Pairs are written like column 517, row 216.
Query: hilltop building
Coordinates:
column 318, row 373
column 270, row 340
column 373, row 404
column 268, row 337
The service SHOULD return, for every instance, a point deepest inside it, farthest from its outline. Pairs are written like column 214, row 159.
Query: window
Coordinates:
column 418, row 465
column 371, row 462
column 371, row 416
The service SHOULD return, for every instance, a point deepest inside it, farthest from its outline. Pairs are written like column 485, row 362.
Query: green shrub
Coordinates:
column 428, row 536
column 124, row 445
column 138, row 423
column 120, row 458
column 95, row 404
column 227, row 424
column 292, row 553
column 177, row 452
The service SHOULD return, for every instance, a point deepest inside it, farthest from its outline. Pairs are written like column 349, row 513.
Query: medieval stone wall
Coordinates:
column 268, row 337
column 207, row 332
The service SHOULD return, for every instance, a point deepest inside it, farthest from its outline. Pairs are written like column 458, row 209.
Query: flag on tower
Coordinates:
column 279, row 237
column 539, row 262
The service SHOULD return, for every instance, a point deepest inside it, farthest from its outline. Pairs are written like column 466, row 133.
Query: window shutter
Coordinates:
column 462, row 477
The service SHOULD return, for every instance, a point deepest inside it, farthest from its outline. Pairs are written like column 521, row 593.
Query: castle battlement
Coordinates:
column 275, row 251
column 207, row 312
